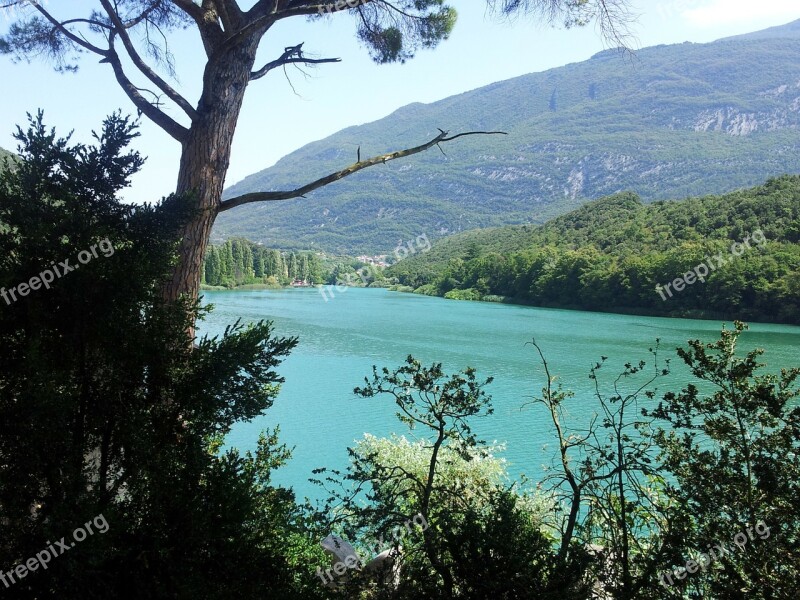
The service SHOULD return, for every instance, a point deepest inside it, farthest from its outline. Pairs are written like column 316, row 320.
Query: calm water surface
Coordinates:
column 341, row 339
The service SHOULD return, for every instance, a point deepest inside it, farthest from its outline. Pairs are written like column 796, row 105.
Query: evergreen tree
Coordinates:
column 212, row 266
column 270, row 263
column 302, row 267
column 258, row 262
column 228, row 265
column 237, row 251
column 108, row 417
column 314, row 269
column 291, row 266
column 247, row 261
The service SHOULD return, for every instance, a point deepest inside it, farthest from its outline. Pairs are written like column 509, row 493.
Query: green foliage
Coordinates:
column 106, row 410
column 482, row 538
column 500, row 551
column 468, row 294
column 649, row 126
column 390, row 39
column 612, row 253
column 34, row 35
column 708, row 475
column 732, row 443
column 121, row 418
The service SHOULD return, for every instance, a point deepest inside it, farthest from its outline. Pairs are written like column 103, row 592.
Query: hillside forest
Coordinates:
column 611, row 254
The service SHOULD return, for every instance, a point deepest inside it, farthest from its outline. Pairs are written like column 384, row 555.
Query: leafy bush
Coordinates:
column 468, row 294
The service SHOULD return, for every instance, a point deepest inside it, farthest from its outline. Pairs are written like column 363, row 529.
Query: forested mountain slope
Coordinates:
column 611, row 255
column 669, row 122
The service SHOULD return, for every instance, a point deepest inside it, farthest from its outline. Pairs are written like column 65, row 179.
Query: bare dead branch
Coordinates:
column 354, row 168
column 90, row 22
column 291, row 55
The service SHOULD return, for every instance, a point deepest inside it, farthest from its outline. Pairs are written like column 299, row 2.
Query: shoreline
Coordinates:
column 630, row 311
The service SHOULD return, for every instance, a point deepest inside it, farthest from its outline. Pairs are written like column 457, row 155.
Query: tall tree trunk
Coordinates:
column 205, row 158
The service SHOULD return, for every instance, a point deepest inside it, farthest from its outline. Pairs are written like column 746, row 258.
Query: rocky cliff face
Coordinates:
column 735, row 121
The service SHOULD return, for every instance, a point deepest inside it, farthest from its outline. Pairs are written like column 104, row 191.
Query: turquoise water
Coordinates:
column 342, row 338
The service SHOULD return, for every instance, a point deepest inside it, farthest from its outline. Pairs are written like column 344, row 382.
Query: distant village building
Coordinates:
column 379, row 260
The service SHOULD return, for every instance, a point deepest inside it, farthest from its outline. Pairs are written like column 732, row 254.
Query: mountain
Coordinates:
column 791, row 30
column 5, row 154
column 622, row 223
column 610, row 255
column 668, row 122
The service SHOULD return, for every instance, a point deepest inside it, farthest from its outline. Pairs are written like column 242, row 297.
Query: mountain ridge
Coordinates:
column 791, row 29
column 675, row 121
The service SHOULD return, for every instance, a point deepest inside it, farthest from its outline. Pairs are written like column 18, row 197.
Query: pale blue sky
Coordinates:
column 275, row 121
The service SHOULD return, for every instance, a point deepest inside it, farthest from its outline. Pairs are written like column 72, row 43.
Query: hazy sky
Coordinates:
column 276, row 120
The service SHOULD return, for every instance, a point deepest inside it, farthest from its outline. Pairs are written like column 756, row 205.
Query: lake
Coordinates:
column 342, row 338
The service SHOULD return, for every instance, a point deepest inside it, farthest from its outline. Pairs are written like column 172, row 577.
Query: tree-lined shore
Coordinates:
column 617, row 254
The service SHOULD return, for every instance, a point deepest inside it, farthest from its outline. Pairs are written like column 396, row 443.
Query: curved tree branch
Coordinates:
column 90, row 22
column 69, row 34
column 268, row 9
column 354, row 168
column 171, row 93
column 160, row 118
